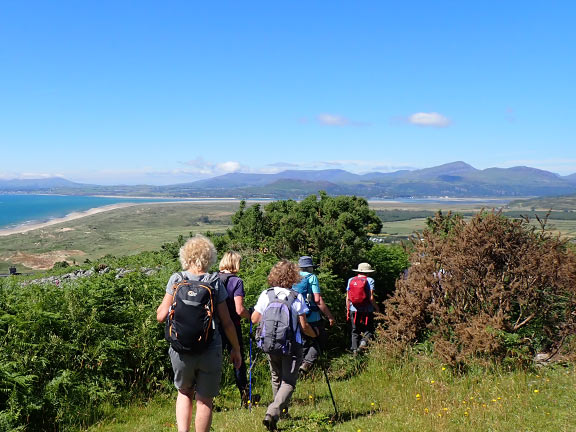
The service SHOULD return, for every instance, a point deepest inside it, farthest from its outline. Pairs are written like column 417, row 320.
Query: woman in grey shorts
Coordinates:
column 197, row 376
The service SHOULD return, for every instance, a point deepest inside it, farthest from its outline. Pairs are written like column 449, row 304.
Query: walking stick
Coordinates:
column 250, row 379
column 323, row 366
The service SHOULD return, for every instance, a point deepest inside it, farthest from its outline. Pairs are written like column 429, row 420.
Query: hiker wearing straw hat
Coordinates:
column 360, row 306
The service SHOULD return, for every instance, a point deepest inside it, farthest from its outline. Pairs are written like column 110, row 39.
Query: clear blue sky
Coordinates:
column 164, row 92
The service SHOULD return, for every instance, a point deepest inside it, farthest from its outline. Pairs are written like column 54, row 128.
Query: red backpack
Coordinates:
column 358, row 291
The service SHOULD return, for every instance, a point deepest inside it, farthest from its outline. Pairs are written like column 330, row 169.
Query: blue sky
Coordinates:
column 165, row 92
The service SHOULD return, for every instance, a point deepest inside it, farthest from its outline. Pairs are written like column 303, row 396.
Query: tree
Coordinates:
column 492, row 288
column 334, row 230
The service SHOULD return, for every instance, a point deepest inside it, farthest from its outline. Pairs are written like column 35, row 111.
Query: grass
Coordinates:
column 379, row 394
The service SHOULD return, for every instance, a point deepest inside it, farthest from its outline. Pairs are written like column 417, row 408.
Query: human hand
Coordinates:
column 235, row 358
column 331, row 321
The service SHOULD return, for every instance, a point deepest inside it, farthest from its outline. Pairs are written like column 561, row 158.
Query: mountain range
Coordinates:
column 456, row 179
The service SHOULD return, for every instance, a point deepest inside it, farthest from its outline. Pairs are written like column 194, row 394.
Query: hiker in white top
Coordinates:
column 284, row 367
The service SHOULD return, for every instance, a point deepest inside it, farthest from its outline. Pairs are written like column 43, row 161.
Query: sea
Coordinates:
column 16, row 210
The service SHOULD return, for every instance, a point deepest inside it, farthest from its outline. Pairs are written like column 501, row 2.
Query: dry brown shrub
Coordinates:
column 491, row 287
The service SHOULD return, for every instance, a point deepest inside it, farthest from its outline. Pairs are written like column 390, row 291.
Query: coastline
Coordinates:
column 25, row 227
column 21, row 229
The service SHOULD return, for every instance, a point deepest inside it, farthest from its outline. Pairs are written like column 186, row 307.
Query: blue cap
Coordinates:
column 305, row 261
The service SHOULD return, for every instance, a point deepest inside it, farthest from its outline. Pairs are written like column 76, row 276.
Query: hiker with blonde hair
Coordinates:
column 194, row 308
column 229, row 267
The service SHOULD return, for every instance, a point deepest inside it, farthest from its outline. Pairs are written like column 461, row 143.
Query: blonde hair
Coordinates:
column 230, row 261
column 284, row 274
column 198, row 252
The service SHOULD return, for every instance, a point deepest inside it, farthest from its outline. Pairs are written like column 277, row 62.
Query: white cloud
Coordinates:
column 333, row 120
column 431, row 119
column 337, row 120
column 27, row 175
column 228, row 167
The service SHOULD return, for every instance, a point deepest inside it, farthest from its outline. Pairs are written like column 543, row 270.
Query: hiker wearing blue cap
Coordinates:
column 309, row 287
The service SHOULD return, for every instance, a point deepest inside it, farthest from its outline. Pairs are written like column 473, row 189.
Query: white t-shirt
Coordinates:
column 299, row 306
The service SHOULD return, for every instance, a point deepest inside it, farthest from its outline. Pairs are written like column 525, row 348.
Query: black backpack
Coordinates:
column 190, row 323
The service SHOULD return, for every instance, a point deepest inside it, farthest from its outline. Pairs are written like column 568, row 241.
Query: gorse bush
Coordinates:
column 488, row 288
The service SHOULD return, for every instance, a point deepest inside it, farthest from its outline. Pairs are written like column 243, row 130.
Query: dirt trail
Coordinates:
column 43, row 261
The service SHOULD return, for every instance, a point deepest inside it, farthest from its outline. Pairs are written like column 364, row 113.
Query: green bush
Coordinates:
column 66, row 350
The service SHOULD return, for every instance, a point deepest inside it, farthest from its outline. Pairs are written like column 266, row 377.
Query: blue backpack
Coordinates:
column 303, row 287
column 275, row 334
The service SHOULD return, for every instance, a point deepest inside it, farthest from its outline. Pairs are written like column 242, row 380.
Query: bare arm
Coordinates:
column 256, row 317
column 306, row 328
column 230, row 332
column 324, row 308
column 162, row 311
column 373, row 301
column 240, row 309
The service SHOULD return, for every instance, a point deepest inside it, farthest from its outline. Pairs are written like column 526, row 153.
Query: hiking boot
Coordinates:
column 363, row 344
column 269, row 422
column 244, row 398
column 305, row 367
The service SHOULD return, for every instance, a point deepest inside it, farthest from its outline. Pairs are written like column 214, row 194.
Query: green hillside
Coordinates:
column 380, row 394
column 562, row 203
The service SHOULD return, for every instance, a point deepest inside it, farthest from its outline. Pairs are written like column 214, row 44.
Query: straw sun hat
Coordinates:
column 364, row 268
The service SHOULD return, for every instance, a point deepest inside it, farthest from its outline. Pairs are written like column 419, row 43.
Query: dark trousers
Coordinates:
column 311, row 345
column 240, row 373
column 362, row 327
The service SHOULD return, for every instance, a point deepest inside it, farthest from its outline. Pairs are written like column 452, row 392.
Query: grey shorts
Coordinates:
column 198, row 372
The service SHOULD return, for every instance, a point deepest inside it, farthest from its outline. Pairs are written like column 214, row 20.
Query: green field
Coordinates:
column 117, row 232
column 144, row 227
column 384, row 395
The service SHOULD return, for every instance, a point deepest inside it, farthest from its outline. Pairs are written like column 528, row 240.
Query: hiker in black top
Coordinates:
column 197, row 374
column 229, row 267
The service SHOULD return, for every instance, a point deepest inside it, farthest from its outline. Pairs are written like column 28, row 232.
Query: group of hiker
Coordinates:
column 203, row 313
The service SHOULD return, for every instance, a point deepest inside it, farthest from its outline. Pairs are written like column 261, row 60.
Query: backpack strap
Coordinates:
column 271, row 294
column 225, row 277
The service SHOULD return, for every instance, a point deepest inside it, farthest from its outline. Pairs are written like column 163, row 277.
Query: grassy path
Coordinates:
column 380, row 395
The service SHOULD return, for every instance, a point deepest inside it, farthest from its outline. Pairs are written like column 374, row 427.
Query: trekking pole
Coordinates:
column 250, row 379
column 323, row 366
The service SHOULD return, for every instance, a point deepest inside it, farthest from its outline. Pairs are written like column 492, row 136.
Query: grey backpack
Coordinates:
column 276, row 333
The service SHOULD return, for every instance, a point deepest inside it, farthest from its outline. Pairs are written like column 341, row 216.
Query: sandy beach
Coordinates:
column 20, row 229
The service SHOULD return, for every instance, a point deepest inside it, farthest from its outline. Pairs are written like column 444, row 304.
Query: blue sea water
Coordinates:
column 22, row 209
